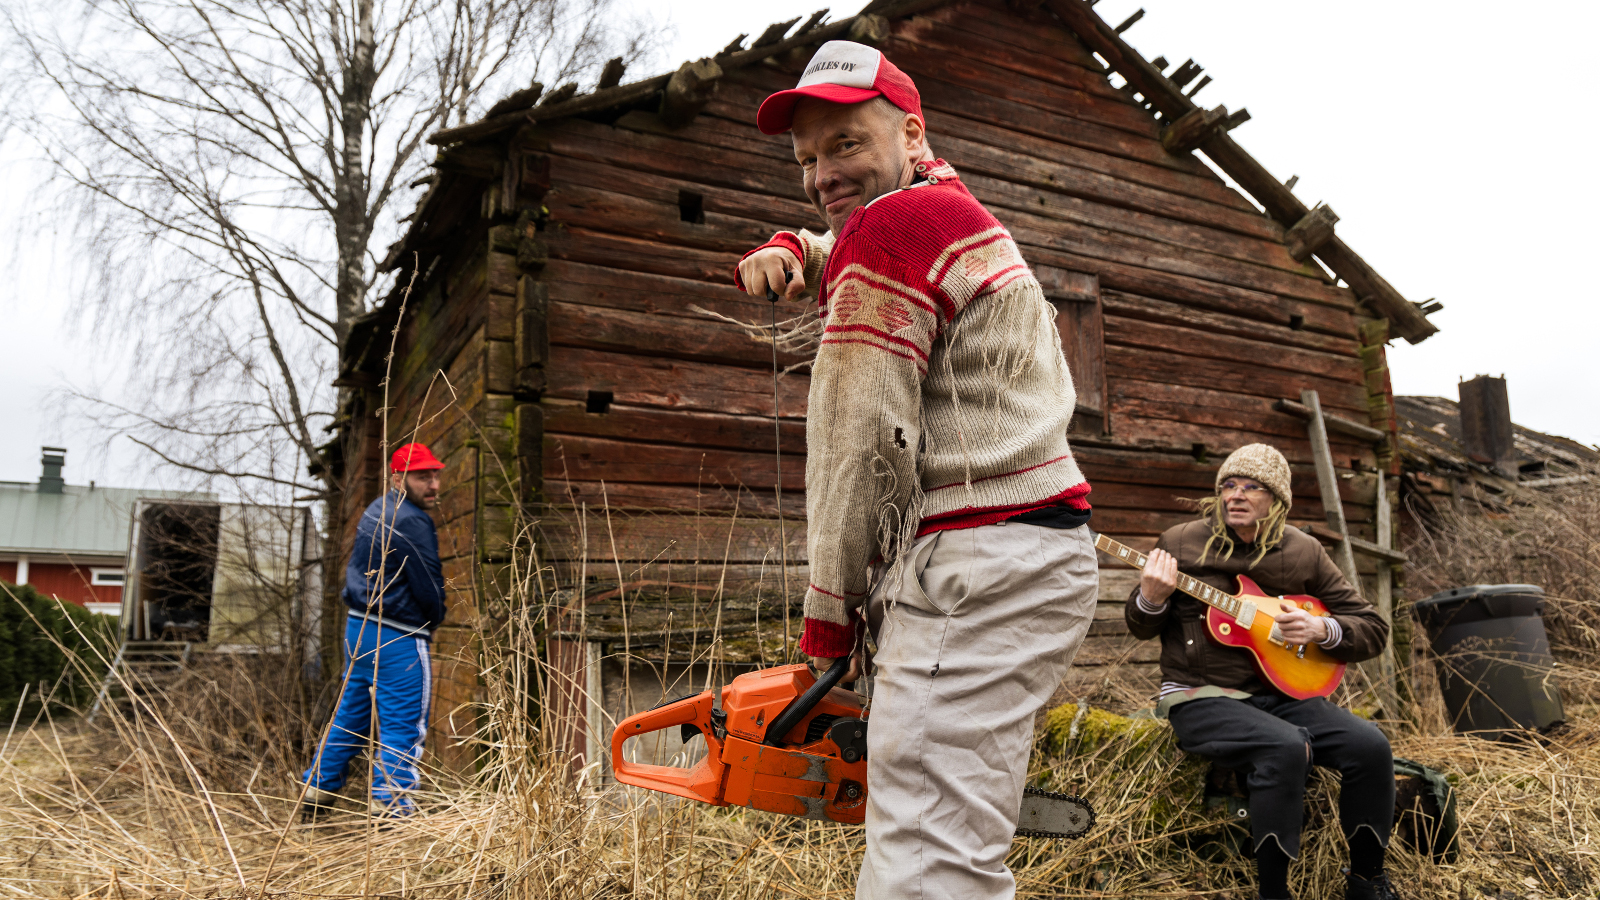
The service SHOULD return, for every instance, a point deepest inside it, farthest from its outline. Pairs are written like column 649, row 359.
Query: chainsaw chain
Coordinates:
column 1054, row 795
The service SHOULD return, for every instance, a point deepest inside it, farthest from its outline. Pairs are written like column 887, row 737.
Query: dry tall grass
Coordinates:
column 191, row 790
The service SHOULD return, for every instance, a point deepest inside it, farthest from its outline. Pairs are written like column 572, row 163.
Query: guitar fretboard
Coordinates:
column 1195, row 588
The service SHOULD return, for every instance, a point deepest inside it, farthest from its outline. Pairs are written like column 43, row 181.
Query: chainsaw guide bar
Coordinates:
column 1047, row 814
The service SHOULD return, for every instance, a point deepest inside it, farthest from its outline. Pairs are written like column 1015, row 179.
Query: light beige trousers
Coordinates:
column 972, row 641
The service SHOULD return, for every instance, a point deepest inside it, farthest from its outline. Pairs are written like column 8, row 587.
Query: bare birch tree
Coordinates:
column 235, row 168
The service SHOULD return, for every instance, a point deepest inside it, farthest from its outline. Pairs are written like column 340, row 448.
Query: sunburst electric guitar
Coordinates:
column 1248, row 620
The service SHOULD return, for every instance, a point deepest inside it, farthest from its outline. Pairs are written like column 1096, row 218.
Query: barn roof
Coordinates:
column 472, row 153
column 1432, row 440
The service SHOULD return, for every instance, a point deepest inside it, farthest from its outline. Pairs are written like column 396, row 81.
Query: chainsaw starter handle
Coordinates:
column 794, row 712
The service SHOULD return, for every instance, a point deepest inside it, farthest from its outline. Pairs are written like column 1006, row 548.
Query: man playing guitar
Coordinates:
column 1219, row 706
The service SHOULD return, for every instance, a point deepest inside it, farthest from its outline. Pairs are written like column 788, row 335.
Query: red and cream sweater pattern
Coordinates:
column 939, row 395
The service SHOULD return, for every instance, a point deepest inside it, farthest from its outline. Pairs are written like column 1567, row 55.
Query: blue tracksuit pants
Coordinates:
column 387, row 674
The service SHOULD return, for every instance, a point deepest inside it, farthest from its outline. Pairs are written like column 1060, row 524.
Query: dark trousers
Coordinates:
column 1267, row 736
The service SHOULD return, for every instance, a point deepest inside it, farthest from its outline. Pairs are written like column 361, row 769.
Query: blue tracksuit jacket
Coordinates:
column 410, row 593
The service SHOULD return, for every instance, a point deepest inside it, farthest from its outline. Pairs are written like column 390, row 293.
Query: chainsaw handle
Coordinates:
column 794, row 712
column 697, row 783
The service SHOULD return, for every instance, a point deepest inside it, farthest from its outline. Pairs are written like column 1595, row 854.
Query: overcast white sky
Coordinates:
column 1449, row 137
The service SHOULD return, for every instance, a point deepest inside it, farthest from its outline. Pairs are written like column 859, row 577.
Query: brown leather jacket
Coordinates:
column 1298, row 565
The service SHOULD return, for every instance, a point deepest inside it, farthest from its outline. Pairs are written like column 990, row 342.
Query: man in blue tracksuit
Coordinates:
column 394, row 586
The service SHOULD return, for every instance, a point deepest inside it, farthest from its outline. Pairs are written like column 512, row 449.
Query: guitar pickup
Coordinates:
column 1246, row 615
column 1276, row 636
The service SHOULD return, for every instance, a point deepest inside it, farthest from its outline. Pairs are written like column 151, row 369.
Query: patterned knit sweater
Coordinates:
column 939, row 395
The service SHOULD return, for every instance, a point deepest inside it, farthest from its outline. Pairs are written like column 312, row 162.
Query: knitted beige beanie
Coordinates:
column 1262, row 463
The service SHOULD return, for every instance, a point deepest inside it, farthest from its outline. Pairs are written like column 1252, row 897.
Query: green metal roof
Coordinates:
column 85, row 520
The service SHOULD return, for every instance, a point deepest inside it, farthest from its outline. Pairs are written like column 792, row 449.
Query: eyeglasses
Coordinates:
column 1245, row 488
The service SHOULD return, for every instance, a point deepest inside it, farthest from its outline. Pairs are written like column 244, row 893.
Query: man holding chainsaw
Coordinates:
column 944, row 507
column 1220, row 708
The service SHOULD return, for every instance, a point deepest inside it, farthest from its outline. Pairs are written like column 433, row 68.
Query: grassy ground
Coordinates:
column 191, row 792
column 193, row 797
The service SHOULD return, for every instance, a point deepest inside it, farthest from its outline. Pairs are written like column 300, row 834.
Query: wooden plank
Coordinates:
column 1334, row 423
column 737, row 103
column 1218, row 441
column 1017, row 27
column 618, row 252
column 1115, row 587
column 672, row 498
column 701, row 338
column 1133, row 306
column 651, row 220
column 1004, row 180
column 673, row 426
column 1327, row 481
column 586, row 458
column 591, row 285
column 1076, row 167
column 1174, row 367
column 1213, row 221
column 1387, row 555
column 673, row 384
column 1384, row 600
column 968, row 32
column 980, row 81
column 1260, row 305
column 1251, row 354
column 665, row 537
column 1097, row 198
column 738, row 133
column 737, row 204
column 1003, row 166
column 672, row 157
column 978, row 77
column 1098, row 243
column 1202, row 406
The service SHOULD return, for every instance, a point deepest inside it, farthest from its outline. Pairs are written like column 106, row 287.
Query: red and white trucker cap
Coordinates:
column 841, row 72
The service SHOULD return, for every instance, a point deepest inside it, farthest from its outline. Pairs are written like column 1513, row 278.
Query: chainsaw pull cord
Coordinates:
column 777, row 462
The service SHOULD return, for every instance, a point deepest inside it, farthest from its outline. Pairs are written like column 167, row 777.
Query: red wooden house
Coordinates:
column 66, row 540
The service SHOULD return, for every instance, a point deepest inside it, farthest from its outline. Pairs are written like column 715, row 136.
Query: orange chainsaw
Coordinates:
column 784, row 741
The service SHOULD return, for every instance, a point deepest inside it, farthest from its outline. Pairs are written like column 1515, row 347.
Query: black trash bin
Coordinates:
column 1495, row 659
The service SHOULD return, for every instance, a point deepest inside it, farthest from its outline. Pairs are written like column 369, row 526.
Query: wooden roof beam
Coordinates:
column 1344, row 426
column 1280, row 203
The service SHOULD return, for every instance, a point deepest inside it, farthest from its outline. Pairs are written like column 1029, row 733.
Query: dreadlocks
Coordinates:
column 1269, row 531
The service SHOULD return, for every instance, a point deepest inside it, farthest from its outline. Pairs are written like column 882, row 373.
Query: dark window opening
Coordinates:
column 691, row 207
column 598, row 402
column 1198, row 451
column 1297, row 322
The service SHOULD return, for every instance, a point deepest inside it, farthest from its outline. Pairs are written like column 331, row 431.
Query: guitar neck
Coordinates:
column 1194, row 587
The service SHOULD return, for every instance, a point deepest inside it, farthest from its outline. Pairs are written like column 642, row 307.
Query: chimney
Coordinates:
column 50, row 482
column 1486, row 423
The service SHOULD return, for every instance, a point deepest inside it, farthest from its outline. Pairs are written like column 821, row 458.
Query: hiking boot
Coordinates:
column 1358, row 888
column 317, row 804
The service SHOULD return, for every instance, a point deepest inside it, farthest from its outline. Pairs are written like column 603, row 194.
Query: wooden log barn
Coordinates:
column 555, row 345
